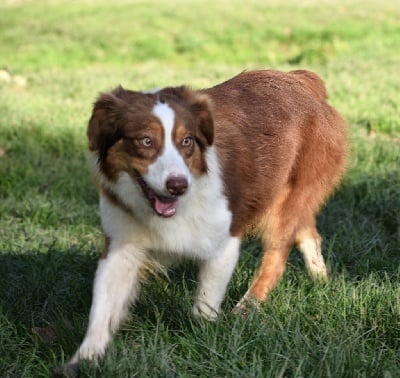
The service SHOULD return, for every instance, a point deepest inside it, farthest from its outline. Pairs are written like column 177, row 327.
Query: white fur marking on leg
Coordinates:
column 314, row 261
column 214, row 277
column 115, row 287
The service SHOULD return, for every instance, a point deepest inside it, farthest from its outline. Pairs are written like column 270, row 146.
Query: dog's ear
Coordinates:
column 102, row 129
column 201, row 108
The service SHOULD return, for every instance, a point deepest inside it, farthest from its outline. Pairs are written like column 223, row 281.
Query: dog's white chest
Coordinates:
column 199, row 228
column 199, row 232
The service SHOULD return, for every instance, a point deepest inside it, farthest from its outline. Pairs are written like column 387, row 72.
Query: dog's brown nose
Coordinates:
column 177, row 185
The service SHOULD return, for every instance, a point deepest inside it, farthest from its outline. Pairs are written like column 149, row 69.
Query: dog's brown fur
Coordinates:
column 282, row 148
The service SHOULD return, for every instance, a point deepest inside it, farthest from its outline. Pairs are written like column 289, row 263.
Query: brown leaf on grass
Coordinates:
column 46, row 334
column 2, row 152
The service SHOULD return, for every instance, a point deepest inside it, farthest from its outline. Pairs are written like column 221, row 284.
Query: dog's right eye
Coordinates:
column 146, row 142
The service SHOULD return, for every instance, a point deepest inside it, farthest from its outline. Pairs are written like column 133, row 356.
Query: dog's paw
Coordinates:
column 246, row 305
column 203, row 310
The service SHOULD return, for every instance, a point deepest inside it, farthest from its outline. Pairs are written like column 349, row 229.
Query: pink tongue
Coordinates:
column 164, row 206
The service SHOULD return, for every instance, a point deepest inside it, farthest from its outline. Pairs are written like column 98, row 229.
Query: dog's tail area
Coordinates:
column 313, row 82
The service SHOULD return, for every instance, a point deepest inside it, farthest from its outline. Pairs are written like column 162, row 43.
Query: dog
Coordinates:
column 185, row 173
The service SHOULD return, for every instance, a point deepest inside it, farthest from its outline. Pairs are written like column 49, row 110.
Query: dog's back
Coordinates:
column 282, row 149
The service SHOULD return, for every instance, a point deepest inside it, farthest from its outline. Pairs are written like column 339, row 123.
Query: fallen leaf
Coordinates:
column 46, row 334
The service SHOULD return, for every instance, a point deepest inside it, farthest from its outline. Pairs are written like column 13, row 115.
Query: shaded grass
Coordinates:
column 49, row 223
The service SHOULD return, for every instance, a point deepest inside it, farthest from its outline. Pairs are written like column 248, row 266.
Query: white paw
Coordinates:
column 318, row 272
column 92, row 348
column 203, row 310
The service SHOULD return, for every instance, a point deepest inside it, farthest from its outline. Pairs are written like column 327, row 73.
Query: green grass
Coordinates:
column 60, row 54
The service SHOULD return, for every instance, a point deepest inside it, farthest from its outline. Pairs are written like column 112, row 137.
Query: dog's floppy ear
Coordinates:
column 201, row 108
column 102, row 129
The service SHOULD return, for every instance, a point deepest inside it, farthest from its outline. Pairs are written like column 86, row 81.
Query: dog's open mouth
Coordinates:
column 162, row 205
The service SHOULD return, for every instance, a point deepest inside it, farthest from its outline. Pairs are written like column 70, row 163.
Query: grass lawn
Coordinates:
column 55, row 56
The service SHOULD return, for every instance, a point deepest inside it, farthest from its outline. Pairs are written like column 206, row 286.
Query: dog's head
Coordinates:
column 159, row 139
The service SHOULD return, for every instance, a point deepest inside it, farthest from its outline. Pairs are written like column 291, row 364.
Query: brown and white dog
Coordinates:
column 185, row 174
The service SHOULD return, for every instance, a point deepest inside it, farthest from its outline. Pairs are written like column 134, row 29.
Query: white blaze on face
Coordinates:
column 170, row 163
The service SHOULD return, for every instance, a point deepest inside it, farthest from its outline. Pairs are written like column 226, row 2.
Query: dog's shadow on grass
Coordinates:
column 44, row 303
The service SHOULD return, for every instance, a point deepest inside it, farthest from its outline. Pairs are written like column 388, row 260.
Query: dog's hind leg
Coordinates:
column 289, row 221
column 116, row 285
column 278, row 235
column 270, row 271
column 308, row 241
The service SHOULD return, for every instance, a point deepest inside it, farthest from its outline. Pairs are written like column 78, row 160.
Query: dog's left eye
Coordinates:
column 187, row 142
column 146, row 141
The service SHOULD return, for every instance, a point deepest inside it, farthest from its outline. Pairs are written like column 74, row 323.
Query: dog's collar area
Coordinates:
column 163, row 206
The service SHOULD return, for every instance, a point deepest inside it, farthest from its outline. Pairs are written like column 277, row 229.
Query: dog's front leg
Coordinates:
column 214, row 276
column 116, row 286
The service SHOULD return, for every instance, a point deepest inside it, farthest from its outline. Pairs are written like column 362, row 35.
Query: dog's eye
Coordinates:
column 146, row 141
column 187, row 142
